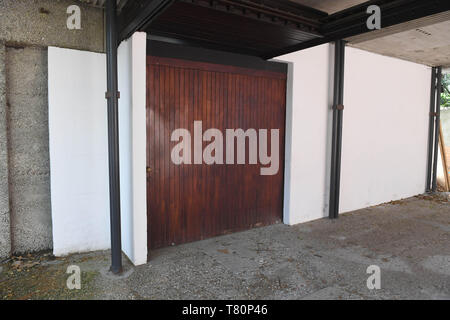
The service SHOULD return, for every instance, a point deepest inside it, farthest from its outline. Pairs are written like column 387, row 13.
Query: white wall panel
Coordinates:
column 384, row 137
column 78, row 151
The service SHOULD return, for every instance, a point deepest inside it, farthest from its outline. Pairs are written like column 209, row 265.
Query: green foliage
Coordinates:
column 445, row 95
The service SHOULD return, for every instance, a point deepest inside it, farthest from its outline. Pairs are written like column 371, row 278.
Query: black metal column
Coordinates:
column 431, row 130
column 113, row 135
column 437, row 124
column 336, row 142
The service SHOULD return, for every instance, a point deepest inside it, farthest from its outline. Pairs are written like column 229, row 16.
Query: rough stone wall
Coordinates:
column 5, row 237
column 29, row 165
column 43, row 23
column 27, row 28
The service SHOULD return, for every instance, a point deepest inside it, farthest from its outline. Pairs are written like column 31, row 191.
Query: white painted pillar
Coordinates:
column 133, row 142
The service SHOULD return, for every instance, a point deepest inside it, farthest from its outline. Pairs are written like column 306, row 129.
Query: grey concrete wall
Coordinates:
column 29, row 168
column 5, row 238
column 27, row 28
column 43, row 23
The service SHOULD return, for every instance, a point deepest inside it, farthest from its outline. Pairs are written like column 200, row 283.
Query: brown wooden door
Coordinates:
column 193, row 202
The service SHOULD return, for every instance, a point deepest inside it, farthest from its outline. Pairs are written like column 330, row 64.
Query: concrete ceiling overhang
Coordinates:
column 425, row 41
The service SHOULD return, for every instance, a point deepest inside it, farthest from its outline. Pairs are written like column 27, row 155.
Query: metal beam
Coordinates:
column 338, row 115
column 437, row 125
column 431, row 130
column 113, row 136
column 138, row 14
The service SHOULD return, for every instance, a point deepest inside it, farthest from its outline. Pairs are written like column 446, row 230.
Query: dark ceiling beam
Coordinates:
column 138, row 14
column 353, row 21
column 292, row 7
column 282, row 13
column 297, row 47
column 199, row 43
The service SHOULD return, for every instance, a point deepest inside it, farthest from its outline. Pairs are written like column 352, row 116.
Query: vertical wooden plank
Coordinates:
column 198, row 172
column 182, row 169
column 191, row 186
column 177, row 225
column 234, row 181
column 166, row 163
column 207, row 226
column 219, row 169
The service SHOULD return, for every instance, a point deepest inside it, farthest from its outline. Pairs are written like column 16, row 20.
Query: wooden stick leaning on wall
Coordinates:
column 444, row 159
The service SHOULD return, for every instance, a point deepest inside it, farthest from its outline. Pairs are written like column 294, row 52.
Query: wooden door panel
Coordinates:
column 192, row 202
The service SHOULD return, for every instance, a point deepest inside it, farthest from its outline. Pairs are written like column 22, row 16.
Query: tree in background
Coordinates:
column 445, row 95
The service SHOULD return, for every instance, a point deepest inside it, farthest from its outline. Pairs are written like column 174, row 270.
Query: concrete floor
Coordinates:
column 409, row 240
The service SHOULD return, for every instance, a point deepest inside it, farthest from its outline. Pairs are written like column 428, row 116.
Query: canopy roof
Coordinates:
column 269, row 28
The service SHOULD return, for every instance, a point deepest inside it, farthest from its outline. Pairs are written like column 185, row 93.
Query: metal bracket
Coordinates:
column 433, row 114
column 339, row 107
column 110, row 95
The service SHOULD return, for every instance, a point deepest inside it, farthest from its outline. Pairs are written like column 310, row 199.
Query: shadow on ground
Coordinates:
column 409, row 240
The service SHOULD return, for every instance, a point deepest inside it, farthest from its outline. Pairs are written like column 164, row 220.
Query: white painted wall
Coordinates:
column 308, row 112
column 132, row 136
column 78, row 151
column 384, row 137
